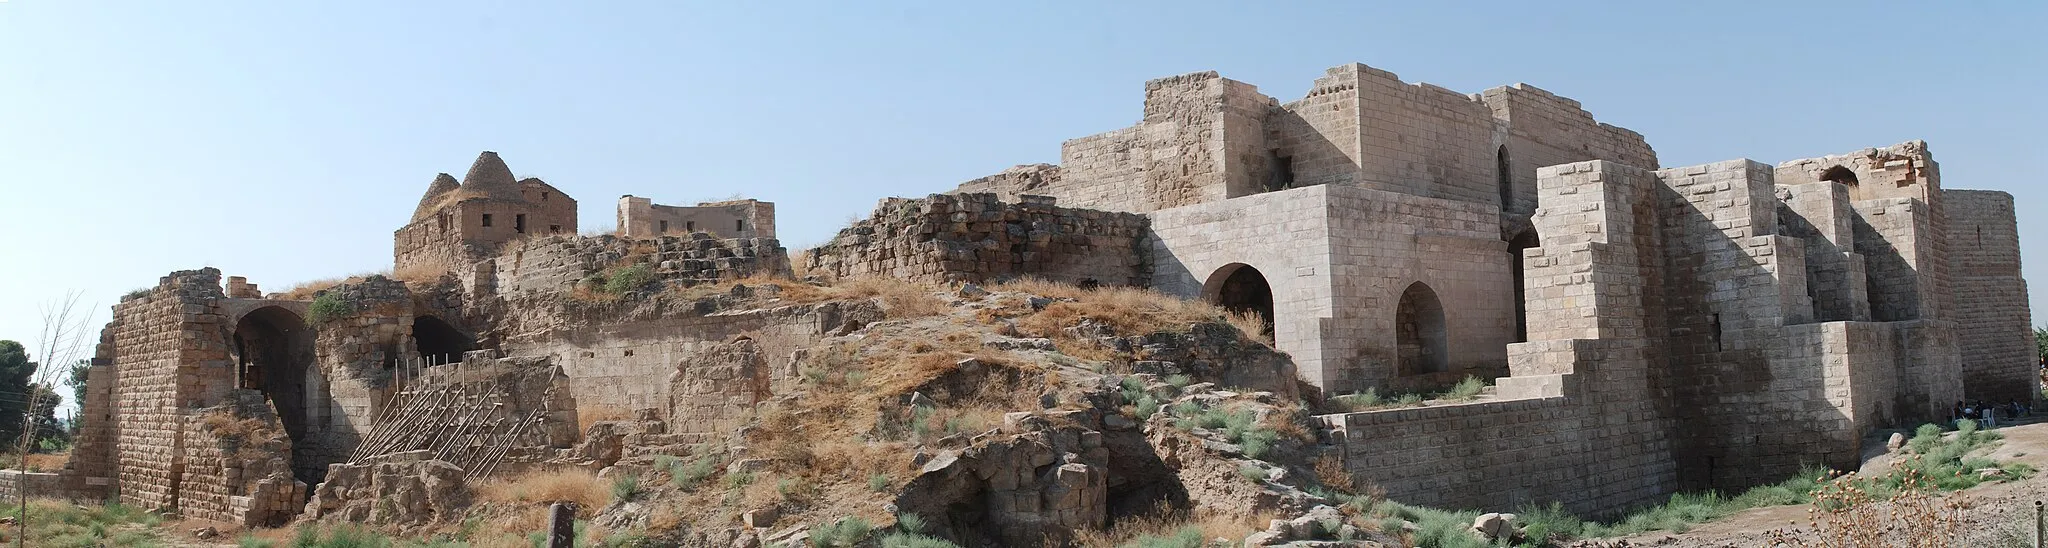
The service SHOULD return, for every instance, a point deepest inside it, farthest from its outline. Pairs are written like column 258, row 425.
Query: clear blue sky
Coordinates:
column 285, row 141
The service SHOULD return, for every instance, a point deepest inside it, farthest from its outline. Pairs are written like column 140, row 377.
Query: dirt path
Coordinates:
column 2000, row 514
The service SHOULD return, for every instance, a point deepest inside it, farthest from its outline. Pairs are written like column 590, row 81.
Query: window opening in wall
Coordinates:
column 1420, row 338
column 664, row 227
column 1506, row 176
column 543, row 196
column 739, row 225
column 438, row 342
column 487, row 219
column 1839, row 174
column 554, row 229
column 690, row 226
column 1283, row 173
column 1717, row 332
column 519, row 223
column 629, row 353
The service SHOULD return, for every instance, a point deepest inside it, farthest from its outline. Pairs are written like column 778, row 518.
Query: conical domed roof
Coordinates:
column 442, row 185
column 489, row 177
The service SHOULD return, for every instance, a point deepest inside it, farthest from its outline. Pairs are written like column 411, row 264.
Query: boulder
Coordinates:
column 1897, row 441
column 1494, row 526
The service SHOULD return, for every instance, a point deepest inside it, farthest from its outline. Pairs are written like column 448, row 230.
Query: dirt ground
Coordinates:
column 2000, row 514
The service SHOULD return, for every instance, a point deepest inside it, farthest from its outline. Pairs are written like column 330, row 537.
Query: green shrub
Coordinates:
column 878, row 482
column 688, row 476
column 1465, row 389
column 736, row 481
column 666, row 462
column 910, row 522
column 138, row 293
column 1147, row 407
column 912, row 540
column 326, row 308
column 1252, row 472
column 625, row 487
column 848, row 531
column 628, row 278
column 1185, row 537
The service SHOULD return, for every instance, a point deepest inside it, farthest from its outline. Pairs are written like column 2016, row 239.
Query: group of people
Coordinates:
column 1987, row 415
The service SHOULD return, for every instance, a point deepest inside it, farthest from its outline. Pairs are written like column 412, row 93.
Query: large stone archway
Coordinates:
column 273, row 352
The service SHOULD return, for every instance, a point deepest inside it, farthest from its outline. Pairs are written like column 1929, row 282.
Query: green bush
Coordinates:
column 628, row 278
column 878, row 482
column 1252, row 472
column 848, row 531
column 1465, row 389
column 736, row 481
column 1186, row 537
column 688, row 476
column 326, row 308
column 910, row 522
column 913, row 540
column 625, row 487
column 1147, row 407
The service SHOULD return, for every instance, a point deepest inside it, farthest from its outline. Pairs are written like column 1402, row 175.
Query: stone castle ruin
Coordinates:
column 1649, row 329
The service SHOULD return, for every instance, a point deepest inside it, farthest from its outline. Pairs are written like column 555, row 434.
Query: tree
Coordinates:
column 15, row 371
column 51, row 433
column 79, row 371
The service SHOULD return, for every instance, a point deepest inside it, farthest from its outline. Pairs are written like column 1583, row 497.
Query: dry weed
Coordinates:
column 587, row 415
column 1331, row 473
column 541, row 487
column 45, row 462
column 1164, row 521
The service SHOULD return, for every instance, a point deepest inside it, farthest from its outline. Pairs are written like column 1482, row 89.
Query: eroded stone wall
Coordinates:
column 977, row 238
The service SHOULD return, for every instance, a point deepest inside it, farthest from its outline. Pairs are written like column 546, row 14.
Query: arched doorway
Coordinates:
column 1527, row 239
column 273, row 351
column 1419, row 332
column 1240, row 288
column 439, row 343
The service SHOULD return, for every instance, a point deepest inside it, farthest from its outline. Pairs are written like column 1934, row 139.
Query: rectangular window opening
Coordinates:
column 664, row 227
column 739, row 225
column 519, row 223
column 690, row 226
column 554, row 229
column 487, row 220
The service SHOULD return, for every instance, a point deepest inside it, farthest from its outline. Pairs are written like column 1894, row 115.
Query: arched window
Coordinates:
column 1507, row 179
column 1419, row 335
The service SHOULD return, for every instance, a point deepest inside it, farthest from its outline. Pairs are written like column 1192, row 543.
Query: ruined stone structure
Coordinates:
column 1652, row 329
column 460, row 223
column 642, row 218
column 1648, row 329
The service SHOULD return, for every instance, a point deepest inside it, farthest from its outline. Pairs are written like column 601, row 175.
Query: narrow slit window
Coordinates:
column 690, row 226
column 739, row 225
column 519, row 223
column 664, row 227
column 487, row 220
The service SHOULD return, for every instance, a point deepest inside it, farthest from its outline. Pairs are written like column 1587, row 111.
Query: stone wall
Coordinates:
column 40, row 484
column 1338, row 267
column 1990, row 298
column 239, row 464
column 163, row 344
column 555, row 265
column 642, row 218
column 1538, row 128
column 619, row 361
column 978, row 238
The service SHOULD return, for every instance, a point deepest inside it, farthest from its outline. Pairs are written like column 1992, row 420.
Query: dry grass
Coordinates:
column 542, row 487
column 1331, row 473
column 1165, row 522
column 798, row 266
column 305, row 290
column 45, row 462
column 587, row 415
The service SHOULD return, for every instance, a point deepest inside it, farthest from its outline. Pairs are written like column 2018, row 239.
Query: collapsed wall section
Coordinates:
column 979, row 238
